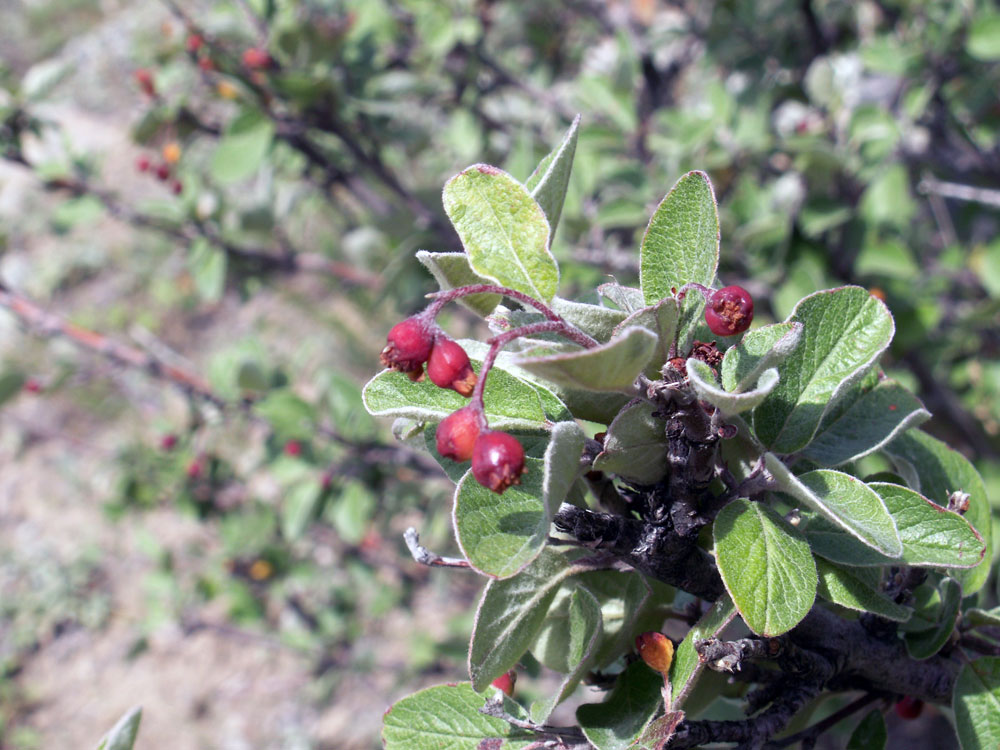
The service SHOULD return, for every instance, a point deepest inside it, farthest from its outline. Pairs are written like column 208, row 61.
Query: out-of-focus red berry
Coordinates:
column 457, row 433
column 31, row 385
column 256, row 58
column 729, row 311
column 909, row 707
column 176, row 187
column 163, row 172
column 497, row 460
column 144, row 79
column 206, row 64
column 168, row 442
column 293, row 448
column 449, row 367
column 193, row 43
column 143, row 163
column 505, row 682
column 195, row 468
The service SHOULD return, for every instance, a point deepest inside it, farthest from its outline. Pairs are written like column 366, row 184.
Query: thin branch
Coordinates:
column 930, row 185
column 810, row 734
column 431, row 559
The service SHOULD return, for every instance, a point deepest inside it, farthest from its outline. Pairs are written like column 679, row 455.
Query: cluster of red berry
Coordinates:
column 162, row 171
column 497, row 458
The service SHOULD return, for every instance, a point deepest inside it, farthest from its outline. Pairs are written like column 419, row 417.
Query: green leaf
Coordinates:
column 579, row 640
column 635, row 445
column 976, row 702
column 766, row 565
column 11, row 384
column 703, row 381
column 976, row 617
column 500, row 534
column 351, row 512
column 624, row 598
column 618, row 722
column 550, row 179
column 207, row 265
column 658, row 732
column 983, row 42
column 503, row 229
column 870, row 733
column 687, row 665
column 77, row 212
column 758, row 350
column 857, row 589
column 925, row 643
column 931, row 535
column 846, row 501
column 628, row 299
column 452, row 270
column 613, row 366
column 511, row 403
column 123, row 733
column 595, row 320
column 287, row 414
column 661, row 320
column 935, row 470
column 242, row 148
column 511, row 613
column 447, row 717
column 681, row 244
column 845, row 332
column 868, row 424
column 299, row 508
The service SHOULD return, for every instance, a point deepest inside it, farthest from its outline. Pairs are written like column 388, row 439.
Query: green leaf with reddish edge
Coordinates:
column 758, row 350
column 447, row 717
column 452, row 270
column 661, row 320
column 845, row 500
column 550, row 179
column 681, row 243
column 503, row 230
column 627, row 298
column 703, row 381
column 766, row 565
column 635, row 445
column 122, row 735
column 658, row 733
column 618, row 722
column 580, row 639
column 613, row 366
column 511, row 402
column 857, row 589
column 511, row 613
column 595, row 320
column 845, row 332
column 500, row 534
column 868, row 424
column 687, row 665
column 976, row 702
column 870, row 733
column 935, row 470
column 931, row 535
column 925, row 643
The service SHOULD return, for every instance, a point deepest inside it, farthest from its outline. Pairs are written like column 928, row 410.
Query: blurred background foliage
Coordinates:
column 253, row 223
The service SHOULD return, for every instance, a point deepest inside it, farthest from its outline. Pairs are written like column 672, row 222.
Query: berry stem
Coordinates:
column 567, row 329
column 705, row 291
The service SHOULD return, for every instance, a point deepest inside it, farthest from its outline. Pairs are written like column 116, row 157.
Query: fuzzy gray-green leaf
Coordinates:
column 758, row 350
column 857, row 589
column 550, row 179
column 452, row 270
column 635, row 445
column 687, row 665
column 703, row 381
column 617, row 723
column 976, row 702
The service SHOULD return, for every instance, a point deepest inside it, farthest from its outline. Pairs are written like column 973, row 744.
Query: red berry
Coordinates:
column 656, row 650
column 163, row 172
column 505, row 683
column 497, row 460
column 32, row 386
column 143, row 164
column 206, row 64
column 909, row 707
column 449, row 367
column 408, row 346
column 145, row 81
column 168, row 442
column 177, row 187
column 194, row 42
column 194, row 469
column 457, row 433
column 256, row 58
column 729, row 311
column 293, row 448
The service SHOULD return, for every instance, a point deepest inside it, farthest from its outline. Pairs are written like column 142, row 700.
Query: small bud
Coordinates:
column 261, row 570
column 408, row 346
column 449, row 367
column 457, row 433
column 497, row 461
column 656, row 650
column 909, row 707
column 226, row 90
column 505, row 683
column 729, row 311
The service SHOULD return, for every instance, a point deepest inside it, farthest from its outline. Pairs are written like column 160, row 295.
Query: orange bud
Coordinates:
column 172, row 152
column 656, row 650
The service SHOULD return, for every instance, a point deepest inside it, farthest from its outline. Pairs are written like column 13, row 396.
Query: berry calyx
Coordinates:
column 256, row 58
column 656, row 650
column 729, row 311
column 457, row 433
column 505, row 683
column 144, row 79
column 909, row 707
column 449, row 367
column 497, row 460
column 408, row 346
